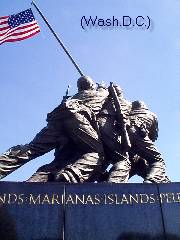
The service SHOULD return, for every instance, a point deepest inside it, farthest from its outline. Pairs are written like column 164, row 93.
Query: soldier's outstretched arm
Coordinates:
column 47, row 139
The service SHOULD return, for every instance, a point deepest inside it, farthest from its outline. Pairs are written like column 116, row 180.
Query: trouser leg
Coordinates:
column 84, row 169
column 139, row 166
column 156, row 173
column 41, row 176
column 146, row 149
column 119, row 173
column 44, row 173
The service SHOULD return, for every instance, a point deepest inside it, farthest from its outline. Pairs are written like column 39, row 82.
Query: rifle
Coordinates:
column 67, row 94
column 125, row 141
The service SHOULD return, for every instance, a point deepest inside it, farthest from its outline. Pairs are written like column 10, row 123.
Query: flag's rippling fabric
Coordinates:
column 18, row 27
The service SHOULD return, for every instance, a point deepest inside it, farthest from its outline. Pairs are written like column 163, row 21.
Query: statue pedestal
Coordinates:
column 53, row 211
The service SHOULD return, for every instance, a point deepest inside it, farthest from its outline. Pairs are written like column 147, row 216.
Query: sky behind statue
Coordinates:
column 145, row 63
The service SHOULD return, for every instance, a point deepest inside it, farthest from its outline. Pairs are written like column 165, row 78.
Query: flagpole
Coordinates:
column 58, row 39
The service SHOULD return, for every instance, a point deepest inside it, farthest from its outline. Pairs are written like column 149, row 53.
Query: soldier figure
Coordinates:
column 72, row 120
column 85, row 132
column 152, row 168
column 143, row 131
column 110, row 137
column 111, row 133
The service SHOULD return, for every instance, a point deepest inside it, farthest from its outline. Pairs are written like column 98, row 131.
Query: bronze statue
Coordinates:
column 94, row 128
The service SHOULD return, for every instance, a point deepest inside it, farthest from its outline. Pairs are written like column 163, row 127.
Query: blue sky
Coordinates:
column 145, row 63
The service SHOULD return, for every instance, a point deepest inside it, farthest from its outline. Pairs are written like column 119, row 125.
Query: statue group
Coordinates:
column 98, row 136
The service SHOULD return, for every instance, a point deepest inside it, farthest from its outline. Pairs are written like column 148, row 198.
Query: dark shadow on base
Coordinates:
column 141, row 236
column 7, row 226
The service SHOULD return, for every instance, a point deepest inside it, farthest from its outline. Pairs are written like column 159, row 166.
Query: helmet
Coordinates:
column 138, row 105
column 85, row 83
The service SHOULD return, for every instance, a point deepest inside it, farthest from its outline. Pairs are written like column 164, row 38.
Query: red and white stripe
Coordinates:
column 19, row 33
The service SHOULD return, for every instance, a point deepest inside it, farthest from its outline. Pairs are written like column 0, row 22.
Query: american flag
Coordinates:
column 18, row 27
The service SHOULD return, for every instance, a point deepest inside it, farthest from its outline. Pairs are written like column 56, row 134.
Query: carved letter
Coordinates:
column 34, row 200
